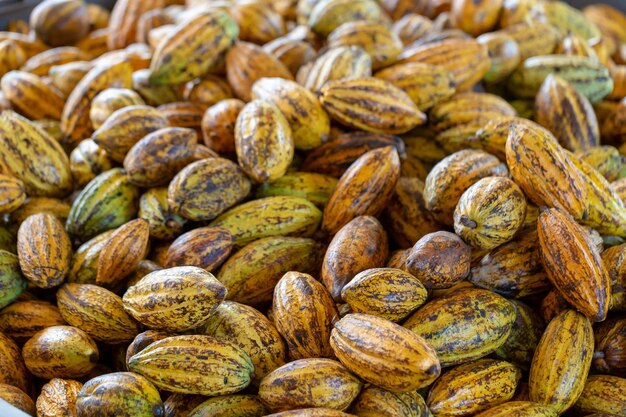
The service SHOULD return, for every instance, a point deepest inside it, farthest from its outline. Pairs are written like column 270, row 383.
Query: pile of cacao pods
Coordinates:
column 393, row 208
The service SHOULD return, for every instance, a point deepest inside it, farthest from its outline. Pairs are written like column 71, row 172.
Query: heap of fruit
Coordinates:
column 394, row 208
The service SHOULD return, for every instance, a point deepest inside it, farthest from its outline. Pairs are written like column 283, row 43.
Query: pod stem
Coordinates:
column 467, row 222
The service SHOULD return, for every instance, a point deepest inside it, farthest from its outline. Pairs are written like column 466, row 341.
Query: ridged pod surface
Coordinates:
column 12, row 365
column 606, row 211
column 335, row 64
column 231, row 405
column 317, row 188
column 122, row 394
column 335, row 156
column 525, row 334
column 533, row 38
column 307, row 119
column 58, row 398
column 304, row 313
column 97, row 311
column 293, row 216
column 369, row 293
column 519, row 409
column 456, row 120
column 252, row 273
column 450, row 324
column 246, row 63
column 41, row 64
column 466, row 59
column 155, row 159
column 108, row 201
column 190, row 49
column 567, row 114
column 215, row 367
column 585, row 74
column 204, row 247
column 562, row 361
column 364, row 189
column 314, row 382
column 377, row 402
column 29, row 94
column 573, row 264
column 75, row 121
column 205, row 189
column 544, row 171
column 384, row 353
column 473, row 387
column 450, row 177
column 263, row 141
column 376, row 39
column 121, row 255
column 425, row 84
column 490, row 213
column 327, row 15
column 125, row 127
column 603, row 394
column 249, row 329
column 370, row 104
column 39, row 162
column 13, row 193
column 174, row 299
column 60, row 22
column 610, row 354
column 22, row 319
column 44, row 250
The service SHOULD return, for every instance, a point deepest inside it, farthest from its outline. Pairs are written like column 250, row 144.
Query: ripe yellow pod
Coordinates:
column 174, row 299
column 252, row 332
column 573, row 265
column 22, row 319
column 490, row 213
column 466, row 59
column 370, row 104
column 60, row 352
column 263, row 141
column 294, row 216
column 368, row 293
column 372, row 179
column 376, row 39
column 17, row 398
column 450, row 323
column 44, row 250
column 377, row 402
column 384, row 353
column 519, row 409
column 562, row 361
column 447, row 181
column 12, row 365
column 544, row 171
column 214, row 366
column 475, row 17
column 603, row 394
column 97, row 311
column 304, row 313
column 309, row 383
